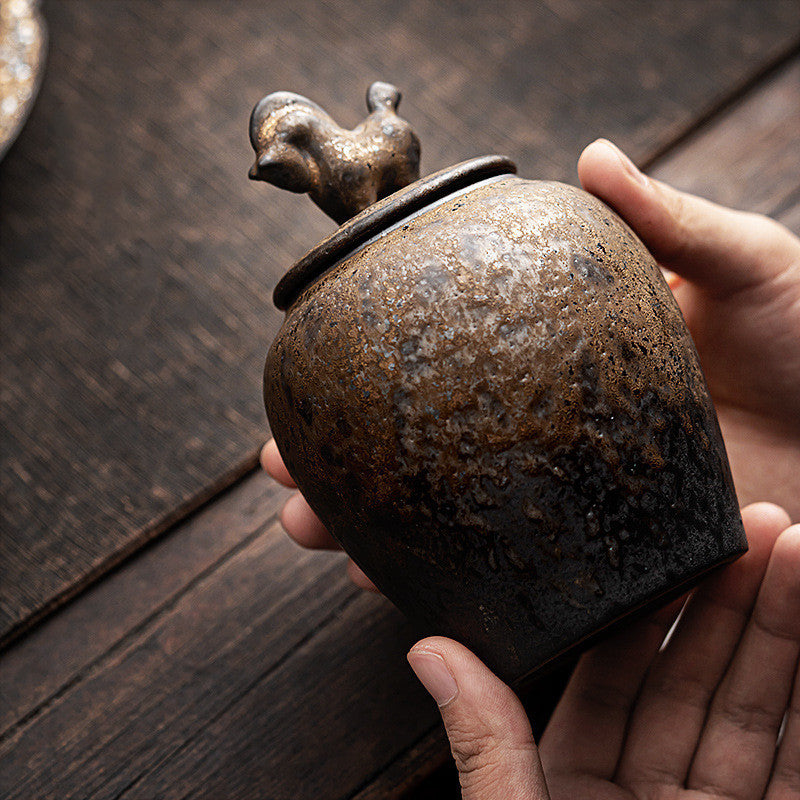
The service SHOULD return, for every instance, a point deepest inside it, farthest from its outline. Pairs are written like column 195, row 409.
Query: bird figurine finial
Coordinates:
column 299, row 147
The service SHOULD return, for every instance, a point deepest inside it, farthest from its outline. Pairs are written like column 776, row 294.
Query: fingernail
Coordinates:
column 434, row 675
column 627, row 164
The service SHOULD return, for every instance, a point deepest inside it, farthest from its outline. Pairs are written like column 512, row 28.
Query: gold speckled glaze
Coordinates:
column 496, row 409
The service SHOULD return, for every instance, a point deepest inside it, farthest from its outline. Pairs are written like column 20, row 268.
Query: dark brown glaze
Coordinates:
column 496, row 408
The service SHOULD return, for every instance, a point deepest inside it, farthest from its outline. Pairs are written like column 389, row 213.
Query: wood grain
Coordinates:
column 53, row 657
column 749, row 157
column 138, row 261
column 266, row 641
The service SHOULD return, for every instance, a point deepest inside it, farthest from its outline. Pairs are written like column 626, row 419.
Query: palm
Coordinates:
column 606, row 790
column 597, row 789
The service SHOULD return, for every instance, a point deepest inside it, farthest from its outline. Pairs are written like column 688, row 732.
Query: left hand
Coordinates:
column 300, row 522
column 693, row 719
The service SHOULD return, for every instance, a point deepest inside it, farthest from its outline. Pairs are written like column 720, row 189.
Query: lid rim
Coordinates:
column 381, row 215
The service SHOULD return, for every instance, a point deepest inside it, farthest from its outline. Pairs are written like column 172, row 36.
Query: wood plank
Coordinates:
column 276, row 638
column 138, row 261
column 271, row 748
column 53, row 657
column 748, row 158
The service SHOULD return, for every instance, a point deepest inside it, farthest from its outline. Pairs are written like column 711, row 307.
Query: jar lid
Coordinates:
column 366, row 179
column 382, row 215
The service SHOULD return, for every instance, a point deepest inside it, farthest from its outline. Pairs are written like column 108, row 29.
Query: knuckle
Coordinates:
column 604, row 697
column 683, row 224
column 474, row 752
column 787, row 776
column 681, row 688
column 776, row 239
column 484, row 757
column 766, row 226
column 777, row 247
column 751, row 718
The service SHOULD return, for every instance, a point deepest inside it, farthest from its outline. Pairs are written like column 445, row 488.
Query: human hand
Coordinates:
column 739, row 291
column 697, row 718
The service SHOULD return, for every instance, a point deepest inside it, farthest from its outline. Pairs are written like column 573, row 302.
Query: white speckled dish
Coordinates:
column 23, row 39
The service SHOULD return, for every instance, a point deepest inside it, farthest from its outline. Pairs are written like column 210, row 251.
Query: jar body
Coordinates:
column 496, row 409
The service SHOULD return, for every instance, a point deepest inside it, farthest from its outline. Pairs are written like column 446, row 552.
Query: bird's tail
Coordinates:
column 383, row 95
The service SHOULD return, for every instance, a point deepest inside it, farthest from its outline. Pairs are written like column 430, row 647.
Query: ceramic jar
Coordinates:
column 485, row 390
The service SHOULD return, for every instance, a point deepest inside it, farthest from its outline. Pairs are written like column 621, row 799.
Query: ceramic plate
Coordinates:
column 22, row 47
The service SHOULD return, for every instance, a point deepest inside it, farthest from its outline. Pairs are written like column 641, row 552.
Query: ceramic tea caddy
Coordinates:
column 485, row 390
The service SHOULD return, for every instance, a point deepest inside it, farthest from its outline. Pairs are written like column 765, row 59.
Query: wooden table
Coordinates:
column 161, row 636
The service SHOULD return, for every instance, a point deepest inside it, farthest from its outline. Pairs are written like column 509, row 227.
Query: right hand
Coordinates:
column 738, row 287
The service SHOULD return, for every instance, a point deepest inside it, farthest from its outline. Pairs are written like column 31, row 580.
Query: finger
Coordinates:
column 273, row 464
column 304, row 526
column 490, row 736
column 716, row 248
column 669, row 713
column 738, row 742
column 585, row 734
column 359, row 578
column 673, row 280
column 785, row 780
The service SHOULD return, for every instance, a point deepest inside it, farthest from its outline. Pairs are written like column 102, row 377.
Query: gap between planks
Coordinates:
column 134, row 633
column 721, row 107
column 147, row 536
column 338, row 608
column 161, row 575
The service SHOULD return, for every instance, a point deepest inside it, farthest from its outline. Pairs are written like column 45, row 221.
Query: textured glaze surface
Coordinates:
column 382, row 216
column 496, row 409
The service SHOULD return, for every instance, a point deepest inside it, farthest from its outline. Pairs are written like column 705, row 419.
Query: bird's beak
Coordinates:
column 262, row 166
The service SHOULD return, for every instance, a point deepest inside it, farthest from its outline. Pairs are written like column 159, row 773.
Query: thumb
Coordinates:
column 718, row 249
column 490, row 736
